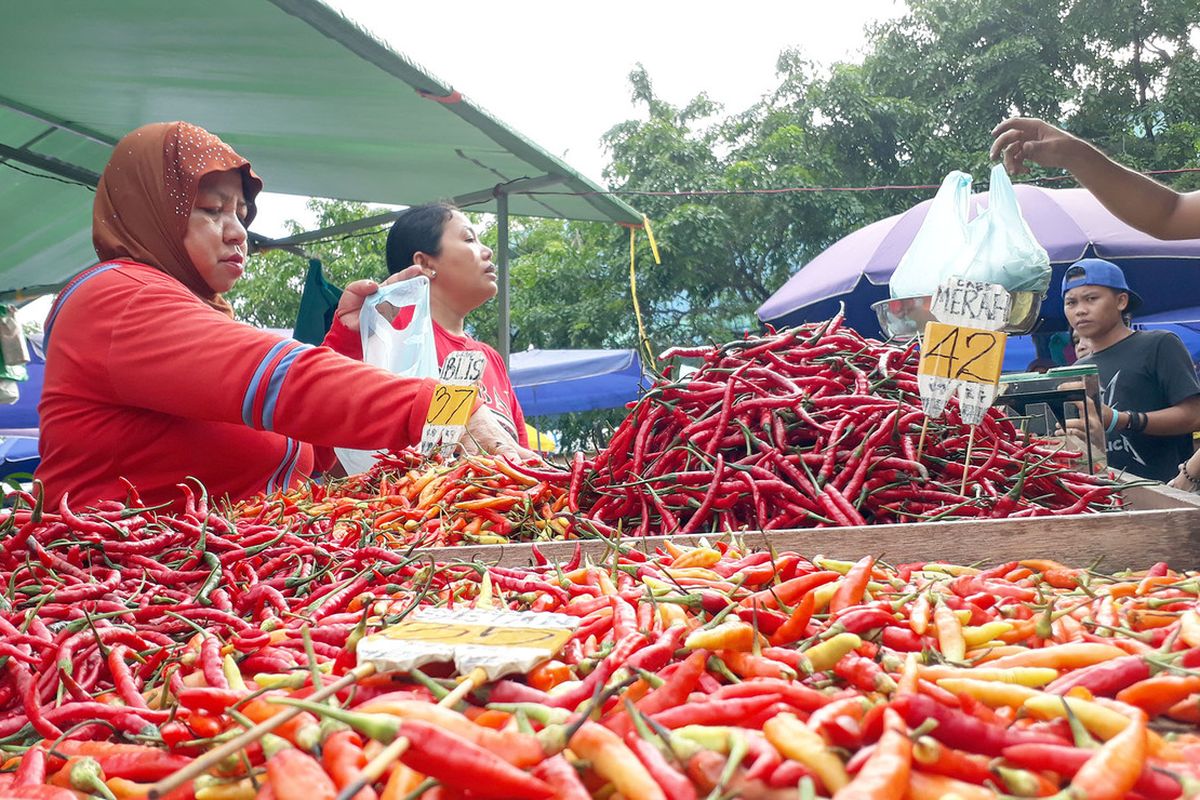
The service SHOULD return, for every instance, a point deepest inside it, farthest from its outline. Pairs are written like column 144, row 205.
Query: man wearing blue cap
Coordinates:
column 1149, row 392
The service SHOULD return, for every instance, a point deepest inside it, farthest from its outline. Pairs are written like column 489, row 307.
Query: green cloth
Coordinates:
column 317, row 304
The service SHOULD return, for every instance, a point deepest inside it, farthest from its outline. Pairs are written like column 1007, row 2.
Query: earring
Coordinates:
column 432, row 274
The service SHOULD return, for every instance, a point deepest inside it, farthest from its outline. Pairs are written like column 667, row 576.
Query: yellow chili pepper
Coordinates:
column 697, row 557
column 733, row 634
column 823, row 594
column 1022, row 676
column 949, row 633
column 698, row 573
column 1189, row 628
column 796, row 741
column 828, row 653
column 975, row 635
column 955, row 570
column 992, row 693
column 214, row 789
column 1099, row 720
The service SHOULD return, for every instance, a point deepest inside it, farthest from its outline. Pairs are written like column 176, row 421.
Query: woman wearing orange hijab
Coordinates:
column 150, row 380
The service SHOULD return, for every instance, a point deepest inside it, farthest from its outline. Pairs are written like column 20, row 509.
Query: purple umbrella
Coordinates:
column 1067, row 222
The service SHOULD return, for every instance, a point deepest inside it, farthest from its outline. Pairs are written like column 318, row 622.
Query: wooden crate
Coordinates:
column 1163, row 524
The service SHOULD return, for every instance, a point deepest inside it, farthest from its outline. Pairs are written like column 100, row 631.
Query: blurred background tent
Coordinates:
column 1070, row 223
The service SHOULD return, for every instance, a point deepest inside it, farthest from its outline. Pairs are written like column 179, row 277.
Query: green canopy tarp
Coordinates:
column 319, row 105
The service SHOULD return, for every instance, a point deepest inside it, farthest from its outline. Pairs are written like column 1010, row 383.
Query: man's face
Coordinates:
column 1093, row 311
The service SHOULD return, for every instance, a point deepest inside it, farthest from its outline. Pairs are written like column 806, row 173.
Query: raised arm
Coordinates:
column 1136, row 199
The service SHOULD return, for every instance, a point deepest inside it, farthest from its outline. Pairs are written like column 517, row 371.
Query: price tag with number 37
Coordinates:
column 453, row 401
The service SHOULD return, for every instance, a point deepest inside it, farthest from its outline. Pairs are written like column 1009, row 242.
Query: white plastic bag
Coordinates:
column 939, row 244
column 410, row 351
column 995, row 247
column 1000, row 247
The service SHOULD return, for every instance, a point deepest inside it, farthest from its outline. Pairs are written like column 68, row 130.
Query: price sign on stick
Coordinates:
column 962, row 354
column 499, row 642
column 452, row 401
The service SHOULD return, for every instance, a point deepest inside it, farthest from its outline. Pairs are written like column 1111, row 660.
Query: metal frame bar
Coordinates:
column 55, row 166
column 57, row 122
column 462, row 201
column 502, row 273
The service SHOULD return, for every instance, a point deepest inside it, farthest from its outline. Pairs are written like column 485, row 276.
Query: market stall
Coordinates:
column 1043, row 617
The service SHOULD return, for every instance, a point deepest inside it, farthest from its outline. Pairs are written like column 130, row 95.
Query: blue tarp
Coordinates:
column 560, row 381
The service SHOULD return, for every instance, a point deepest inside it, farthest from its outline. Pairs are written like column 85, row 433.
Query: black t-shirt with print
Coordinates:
column 1146, row 371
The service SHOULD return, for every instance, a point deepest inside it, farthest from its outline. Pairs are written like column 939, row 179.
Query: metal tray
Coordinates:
column 904, row 318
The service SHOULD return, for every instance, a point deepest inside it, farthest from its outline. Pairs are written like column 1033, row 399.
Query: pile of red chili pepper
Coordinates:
column 134, row 642
column 817, row 426
column 408, row 500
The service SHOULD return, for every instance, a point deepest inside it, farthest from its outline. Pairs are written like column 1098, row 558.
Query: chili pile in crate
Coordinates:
column 812, row 427
column 134, row 642
column 408, row 500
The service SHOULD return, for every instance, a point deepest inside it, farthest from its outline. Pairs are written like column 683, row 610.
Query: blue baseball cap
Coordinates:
column 1098, row 272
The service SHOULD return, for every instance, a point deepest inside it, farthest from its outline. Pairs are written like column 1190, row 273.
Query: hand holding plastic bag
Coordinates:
column 996, row 246
column 1000, row 246
column 410, row 351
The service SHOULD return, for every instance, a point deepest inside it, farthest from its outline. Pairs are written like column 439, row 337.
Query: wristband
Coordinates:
column 1184, row 471
column 1112, row 425
column 1137, row 422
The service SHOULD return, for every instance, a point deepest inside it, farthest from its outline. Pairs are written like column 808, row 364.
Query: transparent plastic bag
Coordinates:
column 939, row 244
column 995, row 247
column 1000, row 246
column 410, row 351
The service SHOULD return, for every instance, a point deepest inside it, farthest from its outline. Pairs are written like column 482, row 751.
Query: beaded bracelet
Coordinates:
column 1184, row 471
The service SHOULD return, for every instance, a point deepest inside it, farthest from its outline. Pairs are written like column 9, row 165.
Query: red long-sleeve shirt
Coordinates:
column 147, row 382
column 495, row 387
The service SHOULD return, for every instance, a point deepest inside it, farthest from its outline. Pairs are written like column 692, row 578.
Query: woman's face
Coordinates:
column 216, row 238
column 466, row 276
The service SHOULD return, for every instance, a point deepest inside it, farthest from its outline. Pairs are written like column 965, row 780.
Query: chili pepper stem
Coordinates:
column 962, row 489
column 217, row 755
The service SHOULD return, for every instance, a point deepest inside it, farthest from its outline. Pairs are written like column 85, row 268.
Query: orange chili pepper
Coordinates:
column 343, row 759
column 949, row 633
column 548, row 674
column 1111, row 773
column 797, row 624
column 918, row 615
column 298, row 776
column 922, row 786
column 1158, row 694
column 885, row 775
column 852, row 586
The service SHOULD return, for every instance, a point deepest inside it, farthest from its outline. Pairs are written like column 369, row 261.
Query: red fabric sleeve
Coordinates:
column 174, row 355
column 341, row 339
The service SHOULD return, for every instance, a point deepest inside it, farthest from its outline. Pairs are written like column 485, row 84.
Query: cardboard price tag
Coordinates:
column 500, row 642
column 451, row 405
column 958, row 353
column 452, row 401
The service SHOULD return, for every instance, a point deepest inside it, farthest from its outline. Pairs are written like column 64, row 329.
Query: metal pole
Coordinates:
column 502, row 270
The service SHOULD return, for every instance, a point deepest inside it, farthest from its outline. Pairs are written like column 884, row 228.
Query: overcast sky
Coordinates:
column 579, row 55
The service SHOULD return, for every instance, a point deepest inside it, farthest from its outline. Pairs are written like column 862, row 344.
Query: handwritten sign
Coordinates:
column 453, row 401
column 962, row 353
column 498, row 641
column 956, row 352
column 972, row 303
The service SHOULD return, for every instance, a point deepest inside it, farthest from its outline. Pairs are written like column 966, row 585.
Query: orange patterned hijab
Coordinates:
column 145, row 197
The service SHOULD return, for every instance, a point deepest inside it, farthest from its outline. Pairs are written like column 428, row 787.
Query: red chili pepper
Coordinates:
column 962, row 731
column 1066, row 761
